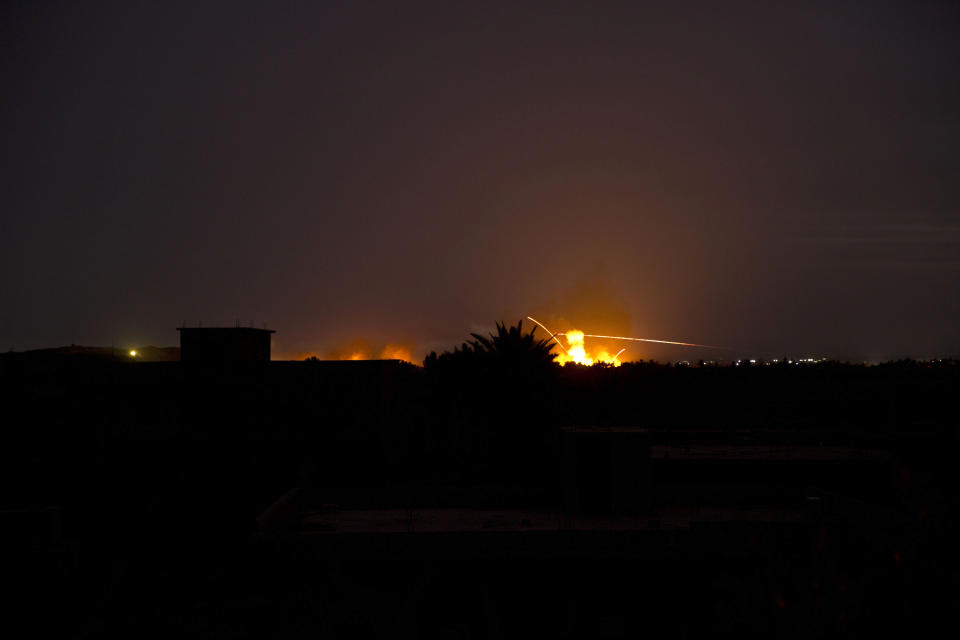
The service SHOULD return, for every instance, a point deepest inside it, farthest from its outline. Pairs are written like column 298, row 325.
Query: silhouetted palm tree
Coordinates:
column 507, row 348
column 514, row 347
column 494, row 393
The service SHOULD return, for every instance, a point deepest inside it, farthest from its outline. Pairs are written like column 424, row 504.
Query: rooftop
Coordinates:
column 256, row 329
column 391, row 521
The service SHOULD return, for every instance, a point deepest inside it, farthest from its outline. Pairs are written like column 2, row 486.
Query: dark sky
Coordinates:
column 777, row 177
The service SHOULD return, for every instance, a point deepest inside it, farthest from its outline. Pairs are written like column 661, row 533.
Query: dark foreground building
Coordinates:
column 380, row 499
column 644, row 533
column 224, row 344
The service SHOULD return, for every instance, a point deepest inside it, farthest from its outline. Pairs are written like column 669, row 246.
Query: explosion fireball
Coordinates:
column 575, row 351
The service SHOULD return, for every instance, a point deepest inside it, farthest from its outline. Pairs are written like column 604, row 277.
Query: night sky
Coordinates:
column 781, row 178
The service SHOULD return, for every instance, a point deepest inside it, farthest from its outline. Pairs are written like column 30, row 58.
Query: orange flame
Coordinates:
column 576, row 351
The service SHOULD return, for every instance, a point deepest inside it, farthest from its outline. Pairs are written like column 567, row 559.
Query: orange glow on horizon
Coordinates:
column 396, row 352
column 360, row 350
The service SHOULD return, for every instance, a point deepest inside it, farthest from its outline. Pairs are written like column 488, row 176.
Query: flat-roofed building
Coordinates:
column 224, row 344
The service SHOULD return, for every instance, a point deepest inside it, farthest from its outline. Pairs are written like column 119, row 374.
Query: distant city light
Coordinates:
column 133, row 353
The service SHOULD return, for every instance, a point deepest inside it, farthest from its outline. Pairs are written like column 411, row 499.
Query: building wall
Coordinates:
column 228, row 344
